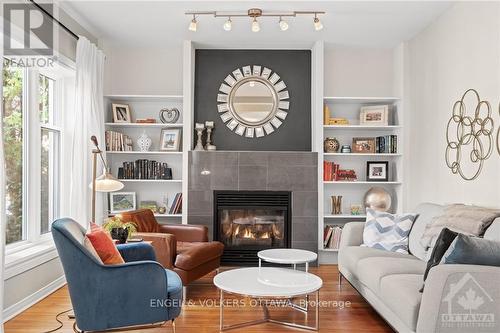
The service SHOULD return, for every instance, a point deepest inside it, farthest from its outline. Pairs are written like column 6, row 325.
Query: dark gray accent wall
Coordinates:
column 294, row 67
column 277, row 171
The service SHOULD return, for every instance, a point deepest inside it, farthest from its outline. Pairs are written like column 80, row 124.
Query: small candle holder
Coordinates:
column 209, row 125
column 199, row 131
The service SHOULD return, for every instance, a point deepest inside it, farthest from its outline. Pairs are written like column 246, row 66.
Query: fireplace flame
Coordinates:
column 248, row 234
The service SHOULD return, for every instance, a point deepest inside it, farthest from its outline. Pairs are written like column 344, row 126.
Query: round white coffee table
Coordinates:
column 267, row 283
column 287, row 256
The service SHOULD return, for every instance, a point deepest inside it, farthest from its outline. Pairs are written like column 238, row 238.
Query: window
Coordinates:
column 12, row 121
column 32, row 143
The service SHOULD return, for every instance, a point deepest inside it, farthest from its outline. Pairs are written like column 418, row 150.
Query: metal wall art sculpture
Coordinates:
column 469, row 137
column 253, row 102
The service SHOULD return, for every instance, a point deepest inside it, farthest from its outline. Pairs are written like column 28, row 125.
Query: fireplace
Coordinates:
column 249, row 221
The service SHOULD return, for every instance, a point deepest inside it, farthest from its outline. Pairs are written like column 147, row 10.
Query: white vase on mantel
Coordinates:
column 144, row 142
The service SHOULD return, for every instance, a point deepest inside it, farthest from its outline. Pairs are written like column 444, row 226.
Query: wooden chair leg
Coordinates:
column 173, row 325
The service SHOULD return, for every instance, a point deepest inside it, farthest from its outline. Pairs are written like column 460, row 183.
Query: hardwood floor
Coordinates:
column 201, row 314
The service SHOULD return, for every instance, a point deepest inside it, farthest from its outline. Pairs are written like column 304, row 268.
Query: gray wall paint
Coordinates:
column 278, row 171
column 294, row 67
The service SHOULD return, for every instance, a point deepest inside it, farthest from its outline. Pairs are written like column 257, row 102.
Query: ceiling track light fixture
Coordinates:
column 255, row 13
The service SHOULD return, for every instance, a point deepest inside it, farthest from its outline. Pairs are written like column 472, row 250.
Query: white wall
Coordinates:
column 142, row 71
column 347, row 71
column 359, row 72
column 458, row 51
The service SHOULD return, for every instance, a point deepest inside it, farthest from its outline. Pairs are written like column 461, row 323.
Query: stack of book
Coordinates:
column 144, row 169
column 176, row 207
column 331, row 236
column 332, row 172
column 387, row 144
column 116, row 141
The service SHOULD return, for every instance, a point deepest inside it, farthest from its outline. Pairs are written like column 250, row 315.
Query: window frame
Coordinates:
column 32, row 128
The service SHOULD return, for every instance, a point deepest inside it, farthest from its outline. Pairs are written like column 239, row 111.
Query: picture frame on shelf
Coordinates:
column 377, row 171
column 121, row 202
column 375, row 115
column 121, row 113
column 170, row 139
column 363, row 145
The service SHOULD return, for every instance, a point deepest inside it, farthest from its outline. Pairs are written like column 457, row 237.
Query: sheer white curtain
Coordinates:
column 88, row 120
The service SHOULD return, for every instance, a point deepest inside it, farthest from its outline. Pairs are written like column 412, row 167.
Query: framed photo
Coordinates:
column 121, row 113
column 377, row 171
column 121, row 201
column 377, row 115
column 170, row 139
column 363, row 145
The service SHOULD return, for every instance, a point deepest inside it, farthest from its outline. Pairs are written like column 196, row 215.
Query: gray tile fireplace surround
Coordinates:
column 273, row 171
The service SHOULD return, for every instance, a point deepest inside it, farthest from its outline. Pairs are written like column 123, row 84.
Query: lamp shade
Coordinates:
column 107, row 183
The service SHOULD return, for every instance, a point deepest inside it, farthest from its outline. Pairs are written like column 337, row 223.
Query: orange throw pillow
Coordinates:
column 104, row 245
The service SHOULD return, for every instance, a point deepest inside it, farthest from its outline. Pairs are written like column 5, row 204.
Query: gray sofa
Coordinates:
column 391, row 281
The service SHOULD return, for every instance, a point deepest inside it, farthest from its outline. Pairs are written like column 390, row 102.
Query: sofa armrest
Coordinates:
column 446, row 283
column 352, row 234
column 165, row 246
column 186, row 232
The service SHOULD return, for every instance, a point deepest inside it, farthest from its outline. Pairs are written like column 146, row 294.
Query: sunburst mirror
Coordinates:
column 253, row 102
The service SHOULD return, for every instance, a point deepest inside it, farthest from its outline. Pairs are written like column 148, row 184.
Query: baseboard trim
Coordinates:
column 25, row 303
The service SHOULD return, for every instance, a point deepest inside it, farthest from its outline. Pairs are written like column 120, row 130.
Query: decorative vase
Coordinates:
column 331, row 145
column 120, row 234
column 144, row 142
column 378, row 198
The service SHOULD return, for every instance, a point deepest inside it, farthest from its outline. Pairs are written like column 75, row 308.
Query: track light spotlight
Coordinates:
column 193, row 25
column 255, row 25
column 228, row 25
column 283, row 25
column 317, row 23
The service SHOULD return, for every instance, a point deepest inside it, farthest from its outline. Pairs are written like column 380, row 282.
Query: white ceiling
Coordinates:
column 163, row 23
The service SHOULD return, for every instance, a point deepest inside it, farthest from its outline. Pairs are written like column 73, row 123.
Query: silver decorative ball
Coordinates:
column 378, row 198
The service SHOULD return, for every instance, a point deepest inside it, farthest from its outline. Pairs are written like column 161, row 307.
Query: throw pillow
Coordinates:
column 469, row 220
column 104, row 245
column 472, row 251
column 88, row 245
column 445, row 238
column 387, row 231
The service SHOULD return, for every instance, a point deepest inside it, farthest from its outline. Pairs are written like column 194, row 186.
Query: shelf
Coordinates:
column 359, row 154
column 344, row 216
column 343, row 182
column 146, row 98
column 142, row 125
column 359, row 100
column 150, row 180
column 362, row 127
column 145, row 152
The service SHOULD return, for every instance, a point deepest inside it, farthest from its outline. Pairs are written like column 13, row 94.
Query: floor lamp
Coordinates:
column 105, row 182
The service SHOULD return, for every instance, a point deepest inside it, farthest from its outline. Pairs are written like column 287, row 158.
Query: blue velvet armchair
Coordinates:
column 139, row 292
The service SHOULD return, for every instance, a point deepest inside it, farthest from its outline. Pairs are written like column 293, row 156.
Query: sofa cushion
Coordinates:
column 493, row 231
column 426, row 212
column 400, row 292
column 191, row 255
column 387, row 231
column 104, row 245
column 443, row 242
column 471, row 250
column 371, row 271
column 469, row 220
column 350, row 256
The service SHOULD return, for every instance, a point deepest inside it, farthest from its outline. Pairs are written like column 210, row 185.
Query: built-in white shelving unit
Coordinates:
column 352, row 192
column 161, row 190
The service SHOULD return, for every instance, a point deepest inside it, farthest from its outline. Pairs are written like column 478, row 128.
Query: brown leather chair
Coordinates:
column 184, row 248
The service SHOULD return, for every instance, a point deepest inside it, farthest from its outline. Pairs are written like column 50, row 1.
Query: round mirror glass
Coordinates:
column 253, row 102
